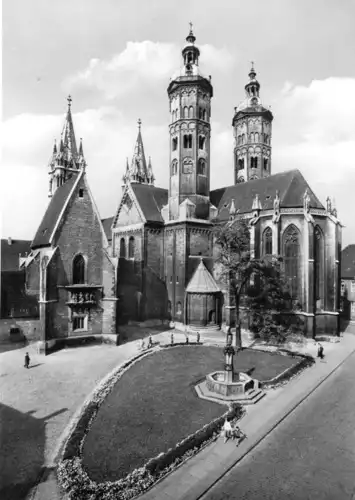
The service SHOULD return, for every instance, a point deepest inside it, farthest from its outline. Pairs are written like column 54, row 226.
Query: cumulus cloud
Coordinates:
column 313, row 131
column 142, row 64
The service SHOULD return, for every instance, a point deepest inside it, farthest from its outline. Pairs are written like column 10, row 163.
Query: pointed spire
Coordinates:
column 68, row 135
column 151, row 177
column 81, row 153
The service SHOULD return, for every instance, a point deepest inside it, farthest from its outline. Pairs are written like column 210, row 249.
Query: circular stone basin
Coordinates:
column 217, row 382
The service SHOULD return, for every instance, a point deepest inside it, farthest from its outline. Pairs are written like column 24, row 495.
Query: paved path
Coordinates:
column 310, row 455
column 197, row 475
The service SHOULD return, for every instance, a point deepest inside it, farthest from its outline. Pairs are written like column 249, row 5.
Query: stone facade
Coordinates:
column 155, row 259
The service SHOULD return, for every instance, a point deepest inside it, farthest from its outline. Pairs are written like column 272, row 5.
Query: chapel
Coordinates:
column 154, row 260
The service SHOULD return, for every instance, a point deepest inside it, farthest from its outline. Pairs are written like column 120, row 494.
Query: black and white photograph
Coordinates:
column 177, row 286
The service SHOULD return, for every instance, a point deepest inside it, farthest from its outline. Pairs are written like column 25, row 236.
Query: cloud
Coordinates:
column 312, row 131
column 314, row 128
column 142, row 64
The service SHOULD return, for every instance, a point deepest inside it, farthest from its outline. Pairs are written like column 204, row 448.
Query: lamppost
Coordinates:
column 228, row 367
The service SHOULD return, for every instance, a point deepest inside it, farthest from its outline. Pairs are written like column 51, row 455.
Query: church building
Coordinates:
column 154, row 260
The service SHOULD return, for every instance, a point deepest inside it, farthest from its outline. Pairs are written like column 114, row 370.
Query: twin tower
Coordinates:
column 190, row 95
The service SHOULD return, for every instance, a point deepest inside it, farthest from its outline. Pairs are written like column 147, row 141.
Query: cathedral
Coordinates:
column 154, row 260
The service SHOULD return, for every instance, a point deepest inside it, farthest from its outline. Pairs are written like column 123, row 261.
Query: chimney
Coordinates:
column 9, row 240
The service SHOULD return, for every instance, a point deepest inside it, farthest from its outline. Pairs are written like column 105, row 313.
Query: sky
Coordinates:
column 115, row 58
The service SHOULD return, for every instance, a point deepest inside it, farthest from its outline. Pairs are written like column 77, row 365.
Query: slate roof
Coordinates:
column 151, row 199
column 107, row 223
column 10, row 253
column 291, row 186
column 202, row 281
column 348, row 262
column 52, row 213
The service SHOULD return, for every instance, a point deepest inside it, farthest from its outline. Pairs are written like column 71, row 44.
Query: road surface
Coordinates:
column 310, row 455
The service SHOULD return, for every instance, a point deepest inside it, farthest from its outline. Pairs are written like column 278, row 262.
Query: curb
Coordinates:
column 278, row 422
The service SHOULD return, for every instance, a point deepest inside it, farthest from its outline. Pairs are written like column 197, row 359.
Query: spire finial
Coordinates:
column 139, row 124
column 69, row 99
column 190, row 23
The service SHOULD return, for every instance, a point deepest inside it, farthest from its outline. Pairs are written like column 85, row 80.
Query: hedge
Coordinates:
column 75, row 481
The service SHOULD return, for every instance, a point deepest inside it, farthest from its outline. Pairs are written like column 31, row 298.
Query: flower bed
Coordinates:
column 305, row 361
column 77, row 484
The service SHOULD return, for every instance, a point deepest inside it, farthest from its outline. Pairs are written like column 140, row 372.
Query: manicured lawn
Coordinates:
column 154, row 406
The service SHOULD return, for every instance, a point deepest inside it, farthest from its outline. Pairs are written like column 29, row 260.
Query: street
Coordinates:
column 310, row 455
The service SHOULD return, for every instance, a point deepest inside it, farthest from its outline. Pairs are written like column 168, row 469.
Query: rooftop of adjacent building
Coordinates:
column 348, row 262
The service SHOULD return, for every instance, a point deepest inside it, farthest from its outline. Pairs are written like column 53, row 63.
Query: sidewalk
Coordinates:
column 197, row 475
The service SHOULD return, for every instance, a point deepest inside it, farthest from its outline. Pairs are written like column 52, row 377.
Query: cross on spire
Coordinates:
column 190, row 23
column 69, row 99
column 139, row 123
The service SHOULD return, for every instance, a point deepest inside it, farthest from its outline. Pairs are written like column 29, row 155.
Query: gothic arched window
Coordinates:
column 131, row 247
column 266, row 161
column 267, row 241
column 175, row 143
column 174, row 166
column 204, row 114
column 78, row 270
column 319, row 264
column 292, row 260
column 201, row 142
column 122, row 248
column 186, row 112
column 251, row 137
column 256, row 137
column 188, row 141
column 191, row 112
column 254, row 162
column 201, row 169
column 241, row 163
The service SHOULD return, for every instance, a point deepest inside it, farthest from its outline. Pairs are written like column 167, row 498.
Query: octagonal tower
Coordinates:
column 252, row 135
column 190, row 110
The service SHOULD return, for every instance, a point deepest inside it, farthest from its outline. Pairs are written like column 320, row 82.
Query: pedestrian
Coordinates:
column 238, row 434
column 227, row 430
column 27, row 360
column 321, row 351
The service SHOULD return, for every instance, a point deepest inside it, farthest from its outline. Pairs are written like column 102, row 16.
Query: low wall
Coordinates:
column 30, row 328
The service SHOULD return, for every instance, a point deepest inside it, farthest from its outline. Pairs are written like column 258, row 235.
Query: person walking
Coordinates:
column 321, row 351
column 27, row 360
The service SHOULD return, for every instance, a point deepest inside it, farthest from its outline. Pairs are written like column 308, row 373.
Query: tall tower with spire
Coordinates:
column 190, row 96
column 139, row 171
column 66, row 160
column 252, row 135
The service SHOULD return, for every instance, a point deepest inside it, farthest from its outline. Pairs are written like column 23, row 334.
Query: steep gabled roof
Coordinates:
column 52, row 214
column 291, row 186
column 10, row 253
column 151, row 200
column 348, row 262
column 107, row 223
column 202, row 281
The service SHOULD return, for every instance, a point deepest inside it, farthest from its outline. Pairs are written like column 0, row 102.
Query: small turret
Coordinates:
column 139, row 172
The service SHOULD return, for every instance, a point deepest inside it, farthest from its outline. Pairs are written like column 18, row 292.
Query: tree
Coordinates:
column 259, row 280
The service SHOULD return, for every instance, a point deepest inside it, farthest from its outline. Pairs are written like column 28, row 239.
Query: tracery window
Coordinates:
column 292, row 260
column 267, row 241
column 122, row 248
column 319, row 263
column 131, row 247
column 78, row 270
